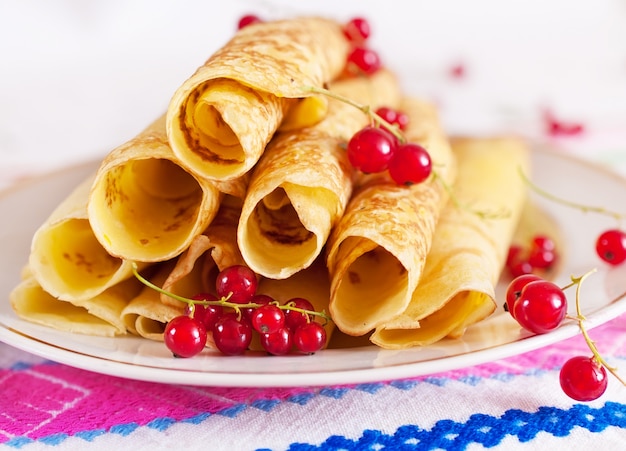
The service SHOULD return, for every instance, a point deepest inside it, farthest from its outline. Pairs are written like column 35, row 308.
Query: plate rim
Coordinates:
column 18, row 339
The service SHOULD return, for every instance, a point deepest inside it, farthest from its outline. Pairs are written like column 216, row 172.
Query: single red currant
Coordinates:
column 231, row 335
column 239, row 281
column 357, row 30
column 294, row 318
column 185, row 336
column 541, row 306
column 611, row 246
column 370, row 149
column 259, row 299
column 520, row 267
column 278, row 342
column 248, row 19
column 583, row 378
column 309, row 337
column 514, row 290
column 207, row 314
column 363, row 60
column 410, row 164
column 394, row 117
column 267, row 319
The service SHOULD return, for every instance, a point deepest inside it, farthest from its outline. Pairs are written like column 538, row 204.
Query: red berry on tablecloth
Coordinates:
column 583, row 378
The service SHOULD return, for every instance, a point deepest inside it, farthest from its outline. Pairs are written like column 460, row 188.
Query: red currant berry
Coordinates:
column 259, row 299
column 363, row 61
column 541, row 258
column 357, row 30
column 309, row 337
column 294, row 318
column 185, row 336
column 278, row 342
column 239, row 281
column 394, row 117
column 583, row 378
column 370, row 149
column 409, row 164
column 611, row 246
column 514, row 255
column 267, row 319
column 541, row 306
column 520, row 267
column 514, row 289
column 231, row 335
column 248, row 19
column 206, row 314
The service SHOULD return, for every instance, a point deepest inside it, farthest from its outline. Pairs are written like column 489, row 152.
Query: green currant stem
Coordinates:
column 223, row 301
column 582, row 207
column 580, row 318
column 364, row 108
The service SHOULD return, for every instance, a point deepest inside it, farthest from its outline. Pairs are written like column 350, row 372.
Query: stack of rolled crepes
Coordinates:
column 248, row 166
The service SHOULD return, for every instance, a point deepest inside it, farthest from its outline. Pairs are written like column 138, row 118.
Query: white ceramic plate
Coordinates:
column 26, row 206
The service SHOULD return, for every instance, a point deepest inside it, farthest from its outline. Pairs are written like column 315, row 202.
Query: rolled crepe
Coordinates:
column 376, row 253
column 220, row 120
column 144, row 204
column 301, row 186
column 66, row 258
column 145, row 315
column 216, row 249
column 469, row 251
column 100, row 315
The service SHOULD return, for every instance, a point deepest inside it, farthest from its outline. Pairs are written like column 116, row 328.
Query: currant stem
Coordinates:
column 393, row 129
column 581, row 319
column 223, row 301
column 582, row 207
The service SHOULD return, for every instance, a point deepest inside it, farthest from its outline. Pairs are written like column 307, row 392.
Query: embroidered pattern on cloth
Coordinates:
column 481, row 429
column 87, row 406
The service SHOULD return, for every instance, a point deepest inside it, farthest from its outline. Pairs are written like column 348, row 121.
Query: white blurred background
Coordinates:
column 78, row 78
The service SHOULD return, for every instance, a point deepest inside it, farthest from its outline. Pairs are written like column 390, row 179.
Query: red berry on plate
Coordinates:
column 583, row 378
column 185, row 336
column 309, row 337
column 278, row 342
column 362, row 60
column 611, row 246
column 232, row 335
column 370, row 149
column 357, row 30
column 295, row 318
column 540, row 307
column 410, row 164
column 514, row 289
column 238, row 281
column 267, row 319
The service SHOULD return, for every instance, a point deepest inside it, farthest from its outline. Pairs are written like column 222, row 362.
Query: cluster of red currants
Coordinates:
column 375, row 149
column 539, row 256
column 230, row 319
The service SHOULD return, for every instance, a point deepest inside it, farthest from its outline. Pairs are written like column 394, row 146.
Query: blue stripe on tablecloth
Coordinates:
column 486, row 430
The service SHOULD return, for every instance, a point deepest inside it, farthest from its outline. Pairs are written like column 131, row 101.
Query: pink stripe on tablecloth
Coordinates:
column 47, row 399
